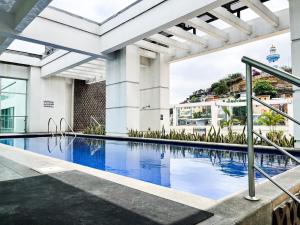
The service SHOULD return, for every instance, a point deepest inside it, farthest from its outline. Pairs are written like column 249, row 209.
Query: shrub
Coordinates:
column 215, row 136
column 98, row 130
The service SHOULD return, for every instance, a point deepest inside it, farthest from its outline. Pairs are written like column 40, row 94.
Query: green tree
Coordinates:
column 220, row 88
column 194, row 99
column 271, row 119
column 230, row 120
column 240, row 113
column 264, row 87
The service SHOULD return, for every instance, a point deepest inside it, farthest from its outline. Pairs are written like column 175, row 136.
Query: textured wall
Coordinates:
column 89, row 100
column 288, row 213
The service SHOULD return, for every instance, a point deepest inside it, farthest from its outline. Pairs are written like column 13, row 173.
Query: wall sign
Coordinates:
column 49, row 104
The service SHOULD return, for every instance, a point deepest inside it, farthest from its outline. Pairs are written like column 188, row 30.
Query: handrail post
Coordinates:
column 251, row 169
column 250, row 132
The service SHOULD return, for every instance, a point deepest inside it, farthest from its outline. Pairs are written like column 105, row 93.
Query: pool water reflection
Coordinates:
column 206, row 172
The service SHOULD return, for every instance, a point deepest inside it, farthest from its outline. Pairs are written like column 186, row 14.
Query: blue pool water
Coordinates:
column 210, row 173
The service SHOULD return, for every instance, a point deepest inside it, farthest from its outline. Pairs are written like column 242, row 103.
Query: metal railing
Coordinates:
column 49, row 121
column 13, row 124
column 93, row 120
column 250, row 63
column 68, row 125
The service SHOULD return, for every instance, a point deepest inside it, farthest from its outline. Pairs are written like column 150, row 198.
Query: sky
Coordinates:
column 97, row 10
column 200, row 72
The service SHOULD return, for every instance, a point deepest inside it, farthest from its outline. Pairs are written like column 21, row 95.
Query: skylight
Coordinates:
column 96, row 10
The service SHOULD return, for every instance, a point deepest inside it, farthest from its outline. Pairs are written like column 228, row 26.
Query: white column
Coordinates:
column 154, row 92
column 295, row 38
column 122, row 92
column 175, row 116
column 214, row 114
column 290, row 111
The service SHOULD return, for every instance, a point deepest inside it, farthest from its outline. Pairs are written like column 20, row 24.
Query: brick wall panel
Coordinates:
column 89, row 100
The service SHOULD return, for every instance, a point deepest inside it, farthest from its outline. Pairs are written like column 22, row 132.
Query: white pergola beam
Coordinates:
column 176, row 31
column 97, row 62
column 208, row 28
column 60, row 64
column 150, row 17
column 232, row 20
column 72, row 76
column 86, row 72
column 77, row 74
column 55, row 55
column 92, row 66
column 261, row 30
column 158, row 16
column 85, row 67
column 154, row 47
column 168, row 41
column 18, row 20
column 12, row 57
column 147, row 54
column 44, row 31
column 264, row 12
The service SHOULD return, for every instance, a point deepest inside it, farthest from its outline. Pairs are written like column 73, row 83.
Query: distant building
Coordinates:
column 203, row 115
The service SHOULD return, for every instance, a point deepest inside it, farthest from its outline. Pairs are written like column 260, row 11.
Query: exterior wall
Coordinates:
column 56, row 89
column 154, row 94
column 89, row 100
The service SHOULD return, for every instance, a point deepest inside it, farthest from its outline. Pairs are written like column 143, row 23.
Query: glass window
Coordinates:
column 12, row 105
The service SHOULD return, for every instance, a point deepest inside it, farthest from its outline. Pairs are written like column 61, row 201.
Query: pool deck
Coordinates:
column 16, row 163
column 42, row 165
column 73, row 197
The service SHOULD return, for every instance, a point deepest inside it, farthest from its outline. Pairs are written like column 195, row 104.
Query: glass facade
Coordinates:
column 13, row 95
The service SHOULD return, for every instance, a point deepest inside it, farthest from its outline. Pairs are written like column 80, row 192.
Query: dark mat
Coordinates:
column 77, row 198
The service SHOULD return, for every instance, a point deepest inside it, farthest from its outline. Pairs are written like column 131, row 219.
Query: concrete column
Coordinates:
column 175, row 116
column 214, row 115
column 295, row 38
column 290, row 111
column 122, row 92
column 154, row 92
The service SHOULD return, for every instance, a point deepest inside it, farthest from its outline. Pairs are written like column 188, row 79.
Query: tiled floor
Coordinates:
column 10, row 170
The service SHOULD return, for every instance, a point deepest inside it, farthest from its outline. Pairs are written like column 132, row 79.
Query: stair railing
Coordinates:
column 68, row 125
column 49, row 122
column 250, row 63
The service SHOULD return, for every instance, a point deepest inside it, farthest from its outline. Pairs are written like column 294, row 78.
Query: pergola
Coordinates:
column 161, row 31
column 155, row 26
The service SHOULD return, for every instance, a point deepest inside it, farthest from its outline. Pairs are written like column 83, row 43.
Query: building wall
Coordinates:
column 76, row 107
column 54, row 89
column 89, row 100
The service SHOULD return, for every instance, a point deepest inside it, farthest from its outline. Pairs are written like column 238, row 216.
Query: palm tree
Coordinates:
column 230, row 121
column 271, row 119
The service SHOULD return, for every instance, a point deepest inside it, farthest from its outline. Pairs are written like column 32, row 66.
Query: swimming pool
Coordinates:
column 206, row 172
